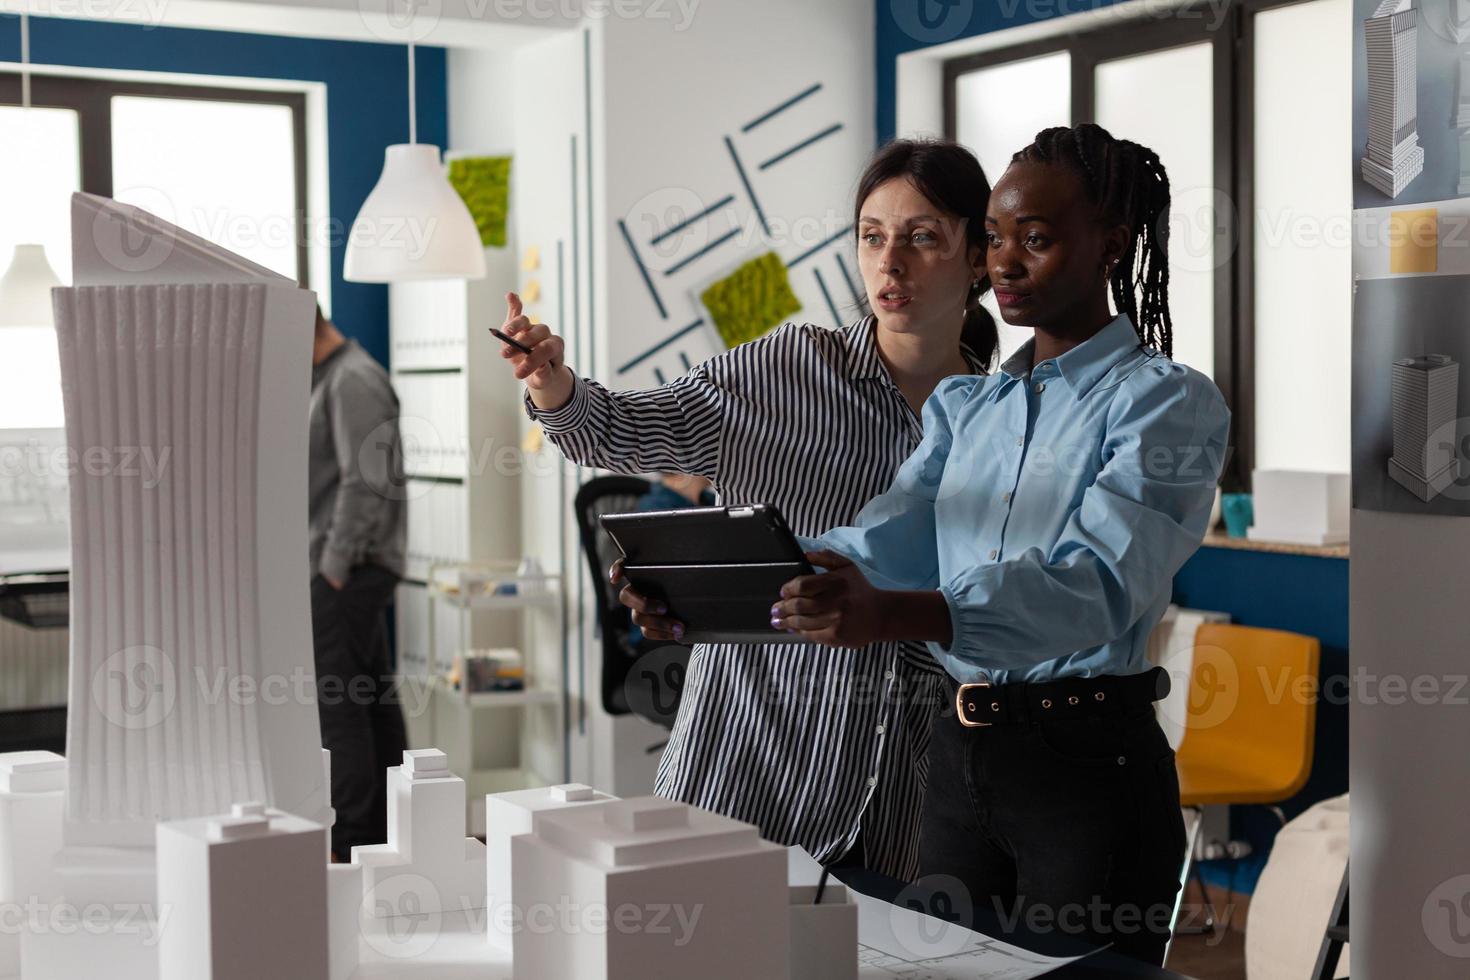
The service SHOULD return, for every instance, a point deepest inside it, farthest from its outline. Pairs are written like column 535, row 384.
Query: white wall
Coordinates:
column 670, row 99
column 1407, row 768
column 663, row 94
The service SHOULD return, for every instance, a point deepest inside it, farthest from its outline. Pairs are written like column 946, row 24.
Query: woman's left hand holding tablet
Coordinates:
column 648, row 614
column 840, row 608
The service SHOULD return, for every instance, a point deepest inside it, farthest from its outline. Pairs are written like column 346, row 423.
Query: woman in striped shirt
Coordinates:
column 816, row 747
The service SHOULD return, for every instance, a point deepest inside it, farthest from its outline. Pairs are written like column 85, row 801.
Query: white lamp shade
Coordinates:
column 25, row 289
column 413, row 225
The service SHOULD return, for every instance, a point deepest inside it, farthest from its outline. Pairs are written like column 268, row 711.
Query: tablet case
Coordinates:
column 718, row 569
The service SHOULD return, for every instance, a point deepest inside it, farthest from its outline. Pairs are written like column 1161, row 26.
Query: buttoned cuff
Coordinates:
column 571, row 416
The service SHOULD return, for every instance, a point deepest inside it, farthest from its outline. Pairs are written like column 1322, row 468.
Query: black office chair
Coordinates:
column 641, row 677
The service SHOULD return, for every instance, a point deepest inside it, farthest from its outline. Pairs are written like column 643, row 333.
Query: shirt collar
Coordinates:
column 1083, row 366
column 863, row 362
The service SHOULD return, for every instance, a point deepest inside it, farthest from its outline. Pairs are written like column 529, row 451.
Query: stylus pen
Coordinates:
column 505, row 339
column 821, row 886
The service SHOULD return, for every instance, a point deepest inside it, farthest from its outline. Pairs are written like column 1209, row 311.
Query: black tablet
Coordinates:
column 718, row 569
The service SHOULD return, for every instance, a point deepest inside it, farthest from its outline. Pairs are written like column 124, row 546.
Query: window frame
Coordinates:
column 1233, row 100
column 91, row 98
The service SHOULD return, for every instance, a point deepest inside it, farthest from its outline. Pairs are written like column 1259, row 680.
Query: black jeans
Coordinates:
column 1073, row 825
column 357, row 702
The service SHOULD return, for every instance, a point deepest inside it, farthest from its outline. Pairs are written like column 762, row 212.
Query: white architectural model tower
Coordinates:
column 178, row 351
column 1394, row 156
column 185, row 377
column 1425, row 404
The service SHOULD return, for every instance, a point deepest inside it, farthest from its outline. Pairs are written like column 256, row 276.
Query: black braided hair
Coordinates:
column 1128, row 184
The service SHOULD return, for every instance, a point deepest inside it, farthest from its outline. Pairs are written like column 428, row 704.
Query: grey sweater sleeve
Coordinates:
column 365, row 440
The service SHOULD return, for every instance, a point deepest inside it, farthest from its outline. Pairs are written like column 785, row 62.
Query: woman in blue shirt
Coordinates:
column 1032, row 540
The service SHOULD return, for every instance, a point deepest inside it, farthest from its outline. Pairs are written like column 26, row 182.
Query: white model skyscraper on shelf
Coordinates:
column 1394, row 156
column 1425, row 405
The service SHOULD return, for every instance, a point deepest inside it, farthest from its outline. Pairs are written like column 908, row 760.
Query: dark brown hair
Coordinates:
column 951, row 178
column 1127, row 183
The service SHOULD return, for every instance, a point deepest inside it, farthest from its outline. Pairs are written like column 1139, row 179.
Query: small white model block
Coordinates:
column 648, row 889
column 32, row 798
column 428, row 864
column 344, row 900
column 246, row 895
column 508, row 815
column 824, row 938
column 1299, row 507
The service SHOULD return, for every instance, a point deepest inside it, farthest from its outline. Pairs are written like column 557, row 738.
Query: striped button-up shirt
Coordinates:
column 810, row 744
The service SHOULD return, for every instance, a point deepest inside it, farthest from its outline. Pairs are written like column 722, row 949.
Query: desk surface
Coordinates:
column 1105, row 964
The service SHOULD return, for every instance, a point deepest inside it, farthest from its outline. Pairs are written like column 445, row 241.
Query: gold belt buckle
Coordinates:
column 960, row 705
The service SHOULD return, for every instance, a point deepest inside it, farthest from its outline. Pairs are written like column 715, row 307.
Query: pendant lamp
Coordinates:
column 25, row 288
column 413, row 225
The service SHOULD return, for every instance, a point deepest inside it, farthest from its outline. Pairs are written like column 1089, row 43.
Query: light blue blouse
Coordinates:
column 1051, row 506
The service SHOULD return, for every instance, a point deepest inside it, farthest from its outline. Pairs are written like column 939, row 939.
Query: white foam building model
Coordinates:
column 32, row 797
column 1300, row 507
column 1394, row 156
column 246, row 894
column 188, row 587
column 428, row 865
column 508, row 815
column 824, row 937
column 648, row 889
column 1426, row 394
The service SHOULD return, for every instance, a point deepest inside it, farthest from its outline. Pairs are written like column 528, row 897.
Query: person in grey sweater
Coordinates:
column 357, row 534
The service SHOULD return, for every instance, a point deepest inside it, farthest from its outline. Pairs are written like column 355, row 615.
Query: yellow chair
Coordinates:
column 1249, row 728
column 1252, row 708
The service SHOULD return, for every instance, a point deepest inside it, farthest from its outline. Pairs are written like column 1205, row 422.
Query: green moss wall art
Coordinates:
column 751, row 300
column 484, row 185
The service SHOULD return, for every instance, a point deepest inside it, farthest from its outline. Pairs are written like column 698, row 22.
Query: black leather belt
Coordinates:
column 982, row 705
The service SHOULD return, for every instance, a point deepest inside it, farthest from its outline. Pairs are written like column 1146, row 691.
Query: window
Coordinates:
column 226, row 164
column 1253, row 125
column 38, row 173
column 223, row 170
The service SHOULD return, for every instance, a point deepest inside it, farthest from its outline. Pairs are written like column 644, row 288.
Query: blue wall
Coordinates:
column 1288, row 592
column 367, row 109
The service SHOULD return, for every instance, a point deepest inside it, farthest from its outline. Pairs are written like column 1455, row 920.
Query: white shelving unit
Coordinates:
column 460, row 419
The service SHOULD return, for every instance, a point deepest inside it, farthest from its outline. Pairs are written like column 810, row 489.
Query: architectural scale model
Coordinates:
column 1394, row 156
column 428, row 864
column 1425, row 405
